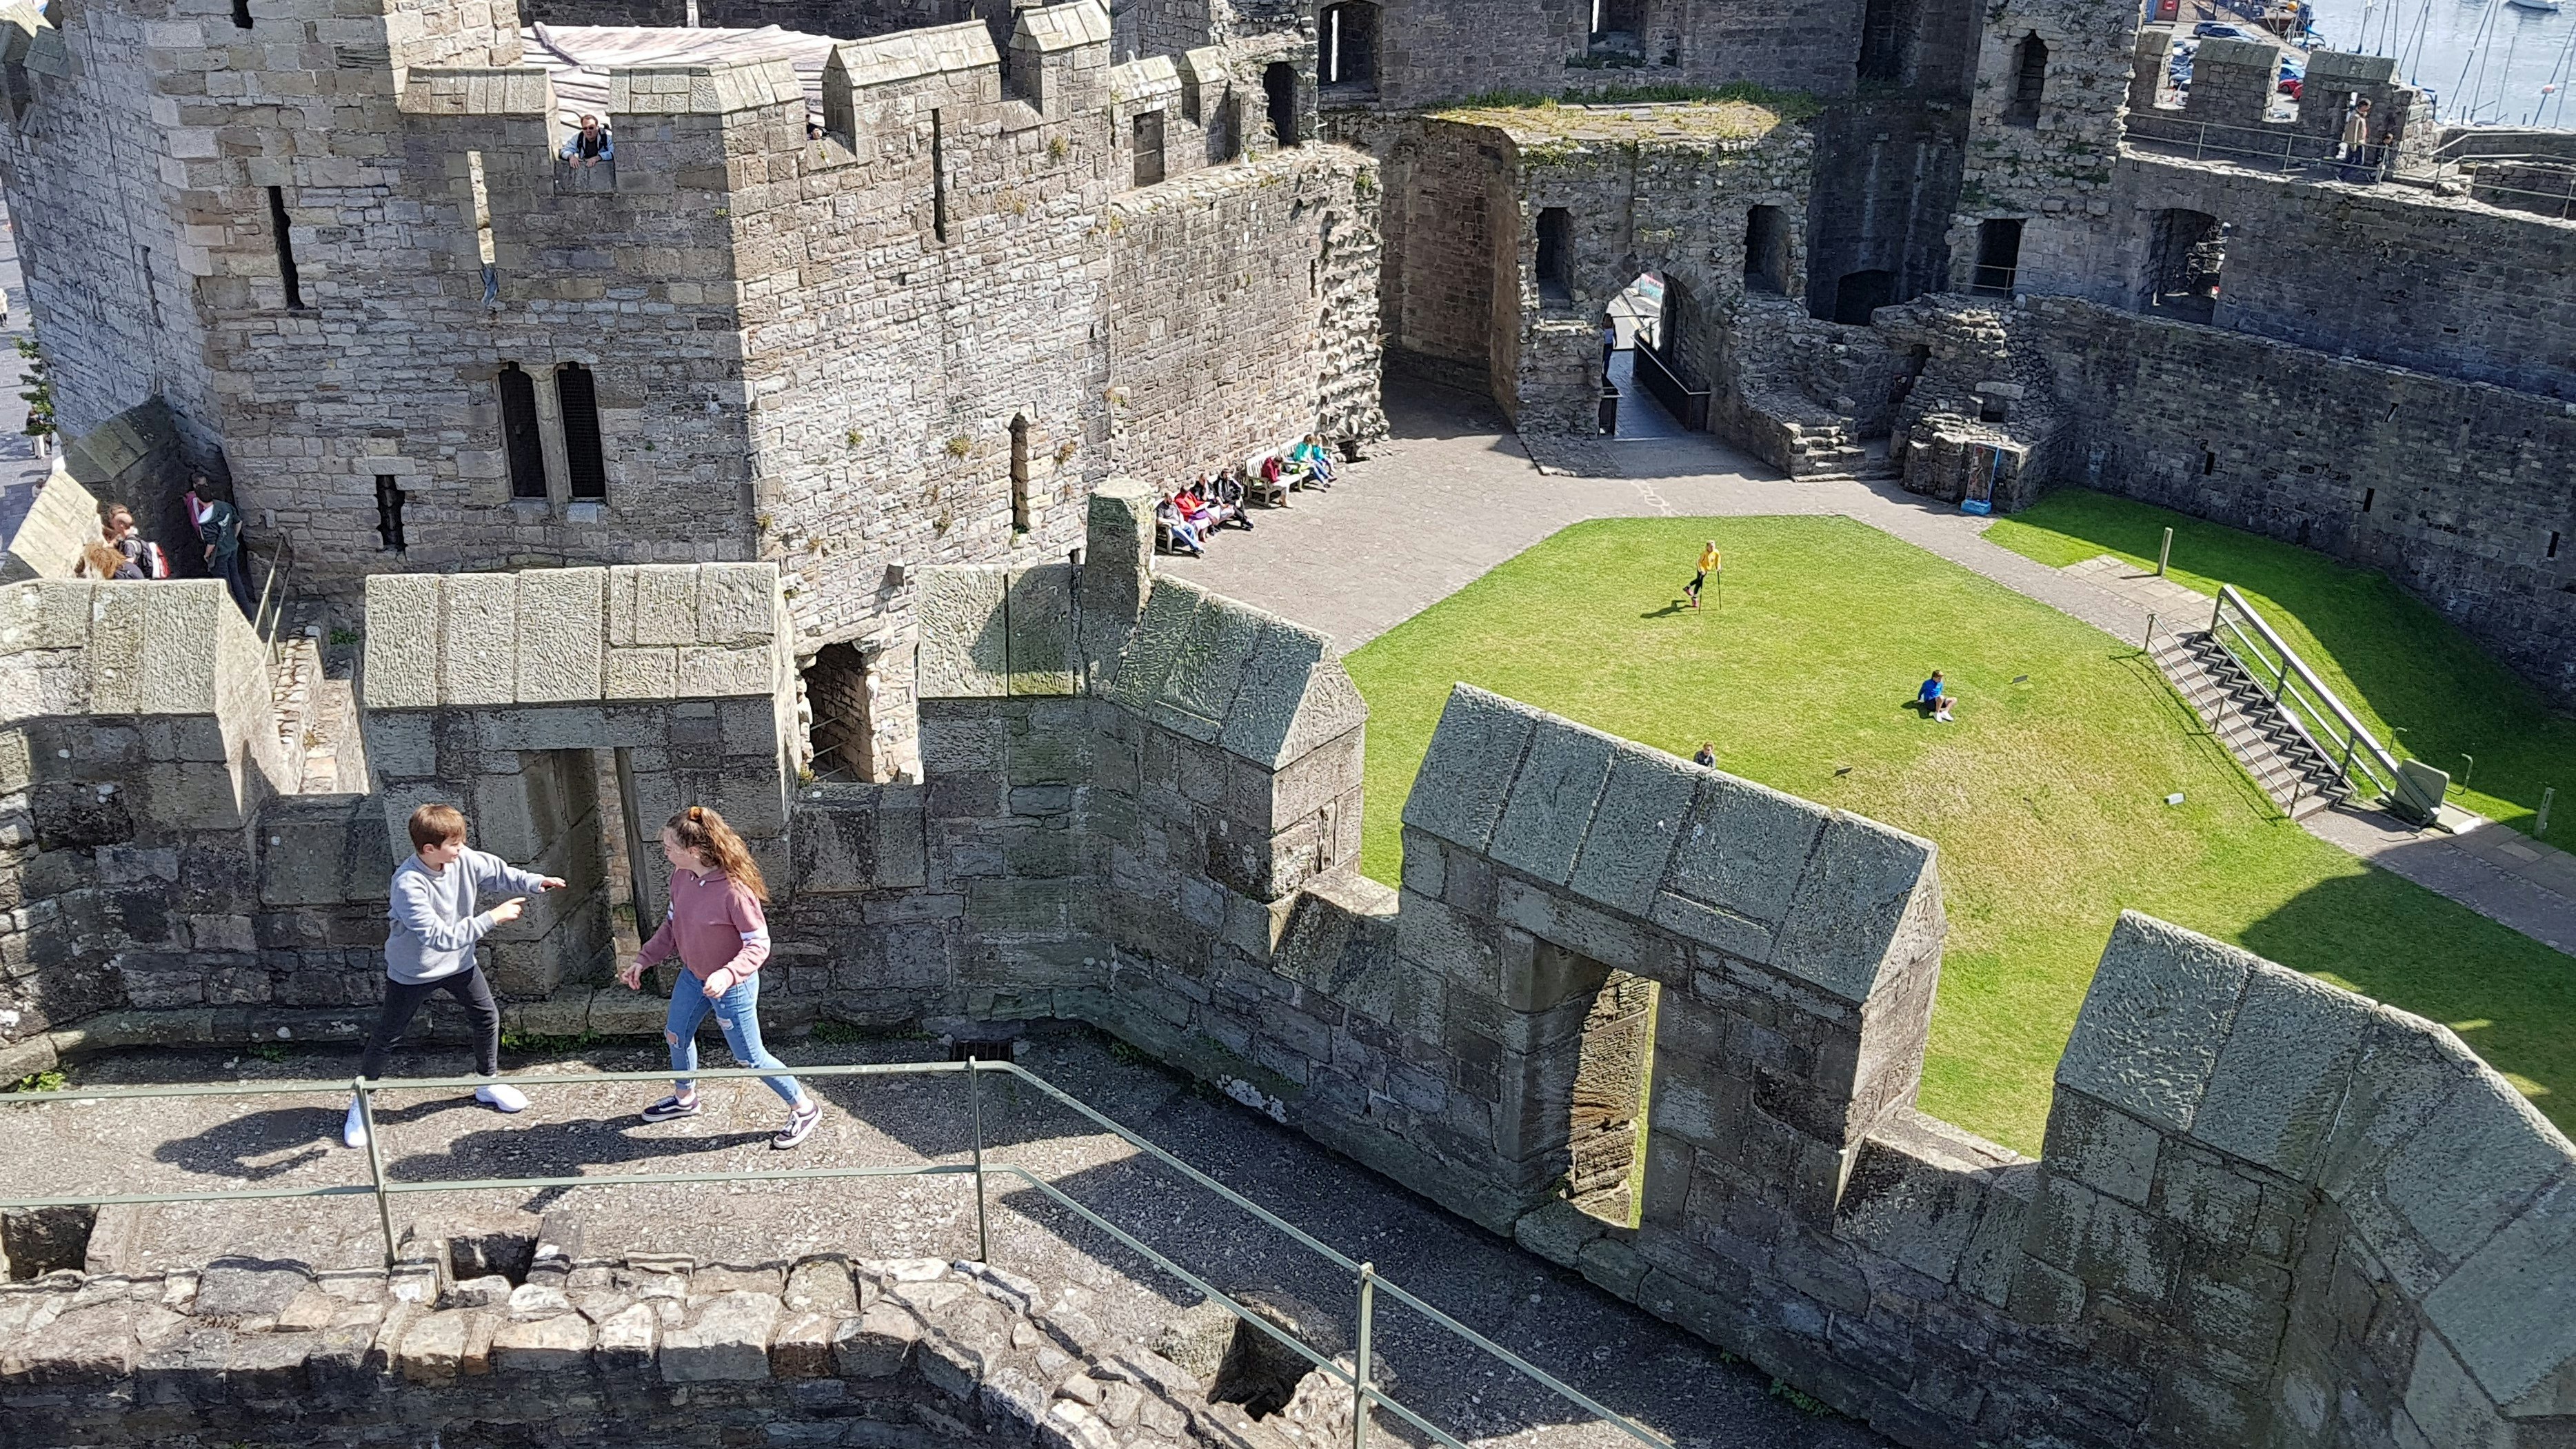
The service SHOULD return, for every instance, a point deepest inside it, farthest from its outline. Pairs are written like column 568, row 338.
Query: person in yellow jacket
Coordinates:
column 1709, row 563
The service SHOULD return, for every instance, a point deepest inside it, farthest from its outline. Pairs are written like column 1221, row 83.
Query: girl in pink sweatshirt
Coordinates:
column 716, row 927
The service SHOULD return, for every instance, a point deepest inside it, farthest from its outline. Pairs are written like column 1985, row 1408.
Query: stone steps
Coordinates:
column 2240, row 715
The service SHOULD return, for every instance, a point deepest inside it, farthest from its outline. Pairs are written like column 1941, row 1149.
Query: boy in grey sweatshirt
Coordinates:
column 431, row 948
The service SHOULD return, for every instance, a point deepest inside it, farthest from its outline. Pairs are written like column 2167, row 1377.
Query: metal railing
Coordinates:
column 1687, row 404
column 268, row 613
column 384, row 1189
column 2311, row 709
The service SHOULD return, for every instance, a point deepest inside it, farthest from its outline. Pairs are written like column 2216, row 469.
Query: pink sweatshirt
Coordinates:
column 714, row 924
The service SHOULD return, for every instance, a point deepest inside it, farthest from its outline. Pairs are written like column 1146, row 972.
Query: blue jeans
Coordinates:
column 737, row 1013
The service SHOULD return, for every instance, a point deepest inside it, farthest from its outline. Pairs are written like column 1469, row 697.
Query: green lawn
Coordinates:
column 2046, row 796
column 2390, row 657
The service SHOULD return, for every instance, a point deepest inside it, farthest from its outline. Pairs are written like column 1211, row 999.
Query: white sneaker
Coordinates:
column 354, row 1131
column 501, row 1096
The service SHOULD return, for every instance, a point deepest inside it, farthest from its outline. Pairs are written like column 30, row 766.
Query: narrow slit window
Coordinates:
column 2368, row 494
column 241, row 13
column 389, row 510
column 2030, row 82
column 585, row 463
column 521, row 444
column 938, row 180
column 1556, row 254
column 2553, row 543
column 1149, row 148
column 285, row 247
column 2208, row 462
column 1020, row 511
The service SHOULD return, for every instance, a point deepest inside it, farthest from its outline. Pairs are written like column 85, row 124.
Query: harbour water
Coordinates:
column 2486, row 61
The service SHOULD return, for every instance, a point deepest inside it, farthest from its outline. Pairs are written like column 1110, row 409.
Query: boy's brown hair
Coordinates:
column 436, row 825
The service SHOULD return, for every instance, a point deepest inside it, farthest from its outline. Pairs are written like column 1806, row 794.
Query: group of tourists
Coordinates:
column 122, row 552
column 715, row 926
column 1187, row 517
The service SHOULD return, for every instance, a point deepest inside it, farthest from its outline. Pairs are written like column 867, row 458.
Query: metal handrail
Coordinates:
column 2290, row 674
column 268, row 615
column 1356, row 1377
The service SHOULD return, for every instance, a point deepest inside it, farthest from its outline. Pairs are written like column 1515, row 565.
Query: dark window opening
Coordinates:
column 2208, row 462
column 2367, row 494
column 1347, row 45
column 2189, row 251
column 1020, row 513
column 1618, row 27
column 241, row 13
column 585, row 462
column 1766, row 250
column 938, row 180
column 1998, row 258
column 1882, row 48
column 843, row 734
column 1860, row 293
column 2553, row 544
column 1992, row 409
column 519, row 437
column 1149, row 148
column 389, row 507
column 1556, row 254
column 2030, row 81
column 285, row 247
column 1279, row 83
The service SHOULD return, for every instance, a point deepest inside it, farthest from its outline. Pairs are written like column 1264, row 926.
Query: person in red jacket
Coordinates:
column 716, row 926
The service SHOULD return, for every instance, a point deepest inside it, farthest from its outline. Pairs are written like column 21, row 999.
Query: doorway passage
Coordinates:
column 2189, row 250
column 1606, row 1131
column 840, row 691
column 1279, row 84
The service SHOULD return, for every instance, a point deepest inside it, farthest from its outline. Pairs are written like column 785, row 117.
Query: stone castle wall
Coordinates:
column 2268, row 1211
column 506, row 1334
column 811, row 352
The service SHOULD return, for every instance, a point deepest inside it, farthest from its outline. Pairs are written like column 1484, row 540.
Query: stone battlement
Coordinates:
column 2267, row 1210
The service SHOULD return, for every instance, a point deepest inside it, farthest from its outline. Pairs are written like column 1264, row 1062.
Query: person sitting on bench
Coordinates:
column 1258, row 486
column 1317, row 461
column 1227, row 494
column 1178, row 535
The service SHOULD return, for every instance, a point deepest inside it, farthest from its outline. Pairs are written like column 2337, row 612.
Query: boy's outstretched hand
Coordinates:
column 552, row 883
column 509, row 910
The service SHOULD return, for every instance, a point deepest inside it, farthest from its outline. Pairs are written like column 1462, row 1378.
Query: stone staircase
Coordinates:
column 317, row 717
column 2240, row 713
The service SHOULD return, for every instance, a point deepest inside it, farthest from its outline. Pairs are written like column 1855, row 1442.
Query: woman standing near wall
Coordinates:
column 716, row 926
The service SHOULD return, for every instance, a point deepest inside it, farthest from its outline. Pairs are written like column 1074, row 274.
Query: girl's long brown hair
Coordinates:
column 704, row 831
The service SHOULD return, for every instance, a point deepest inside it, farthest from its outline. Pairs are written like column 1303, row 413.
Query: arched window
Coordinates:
column 2030, row 80
column 1556, row 254
column 1346, row 44
column 1766, row 250
column 585, row 461
column 520, row 441
column 1279, row 83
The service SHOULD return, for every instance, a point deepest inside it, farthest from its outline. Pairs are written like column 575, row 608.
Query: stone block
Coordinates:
column 964, row 651
column 1744, row 852
column 562, row 630
column 876, row 1344
column 400, row 746
column 1198, row 690
column 728, row 1342
column 559, row 1344
column 237, row 1288
column 1170, row 615
column 1266, row 719
column 2279, row 1083
column 2510, row 1310
column 2160, row 1007
column 2479, row 1157
column 1038, row 626
column 2102, row 1148
column 710, row 672
column 478, row 630
column 400, row 667
column 1549, row 811
column 2103, row 1243
column 1649, row 795
column 640, row 674
column 1330, row 709
column 653, row 604
column 1851, row 905
column 737, row 603
column 1466, row 775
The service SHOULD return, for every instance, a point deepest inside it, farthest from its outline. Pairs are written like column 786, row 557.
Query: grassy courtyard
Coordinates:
column 2046, row 796
column 2389, row 656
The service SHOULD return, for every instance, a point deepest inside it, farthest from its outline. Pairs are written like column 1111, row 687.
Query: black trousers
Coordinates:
column 402, row 1001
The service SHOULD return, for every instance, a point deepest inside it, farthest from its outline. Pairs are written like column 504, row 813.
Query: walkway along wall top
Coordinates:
column 2268, row 1211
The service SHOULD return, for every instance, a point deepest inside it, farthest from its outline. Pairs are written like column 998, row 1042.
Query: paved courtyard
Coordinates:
column 1453, row 492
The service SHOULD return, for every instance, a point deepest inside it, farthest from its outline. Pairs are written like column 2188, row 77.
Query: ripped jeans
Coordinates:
column 737, row 1013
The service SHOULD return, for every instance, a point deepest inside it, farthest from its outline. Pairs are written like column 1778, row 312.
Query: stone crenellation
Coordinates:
column 2267, row 1211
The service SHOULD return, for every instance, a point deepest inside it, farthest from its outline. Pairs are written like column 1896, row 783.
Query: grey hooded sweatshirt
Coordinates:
column 435, row 923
